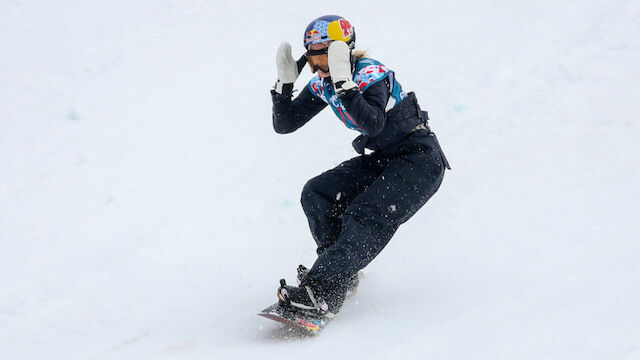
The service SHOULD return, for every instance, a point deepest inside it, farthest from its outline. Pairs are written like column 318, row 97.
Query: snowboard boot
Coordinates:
column 351, row 285
column 304, row 298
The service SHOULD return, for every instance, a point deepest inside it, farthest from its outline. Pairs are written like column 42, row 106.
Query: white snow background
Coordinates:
column 148, row 209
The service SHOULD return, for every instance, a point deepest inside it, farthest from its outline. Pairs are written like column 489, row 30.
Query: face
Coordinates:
column 319, row 63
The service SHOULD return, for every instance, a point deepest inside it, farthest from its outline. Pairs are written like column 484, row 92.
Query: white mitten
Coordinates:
column 287, row 70
column 340, row 67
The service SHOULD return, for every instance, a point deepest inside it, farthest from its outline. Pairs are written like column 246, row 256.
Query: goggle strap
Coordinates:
column 317, row 52
column 301, row 63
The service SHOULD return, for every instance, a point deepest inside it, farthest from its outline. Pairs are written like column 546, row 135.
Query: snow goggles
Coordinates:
column 318, row 59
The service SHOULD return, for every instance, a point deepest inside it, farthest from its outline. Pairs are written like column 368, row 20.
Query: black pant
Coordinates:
column 355, row 208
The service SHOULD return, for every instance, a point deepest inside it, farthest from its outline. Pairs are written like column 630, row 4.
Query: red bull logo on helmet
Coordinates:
column 312, row 36
column 347, row 29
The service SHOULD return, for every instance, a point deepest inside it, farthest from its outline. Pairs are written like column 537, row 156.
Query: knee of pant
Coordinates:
column 310, row 194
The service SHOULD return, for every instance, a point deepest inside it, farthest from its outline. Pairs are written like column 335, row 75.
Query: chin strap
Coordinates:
column 353, row 61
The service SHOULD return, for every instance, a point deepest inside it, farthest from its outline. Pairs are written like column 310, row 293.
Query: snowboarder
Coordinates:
column 354, row 209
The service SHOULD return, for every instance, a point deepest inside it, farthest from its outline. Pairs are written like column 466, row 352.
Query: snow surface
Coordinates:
column 148, row 209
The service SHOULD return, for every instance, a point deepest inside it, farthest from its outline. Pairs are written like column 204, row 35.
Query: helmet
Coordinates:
column 327, row 28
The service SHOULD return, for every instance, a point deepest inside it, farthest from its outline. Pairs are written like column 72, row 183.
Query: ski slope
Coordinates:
column 148, row 209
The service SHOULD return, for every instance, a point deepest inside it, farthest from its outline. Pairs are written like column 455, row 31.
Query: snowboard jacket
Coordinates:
column 380, row 110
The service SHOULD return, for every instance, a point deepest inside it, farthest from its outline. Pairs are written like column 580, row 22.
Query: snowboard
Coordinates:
column 308, row 321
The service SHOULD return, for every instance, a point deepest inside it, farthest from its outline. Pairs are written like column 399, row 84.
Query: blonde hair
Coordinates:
column 359, row 54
